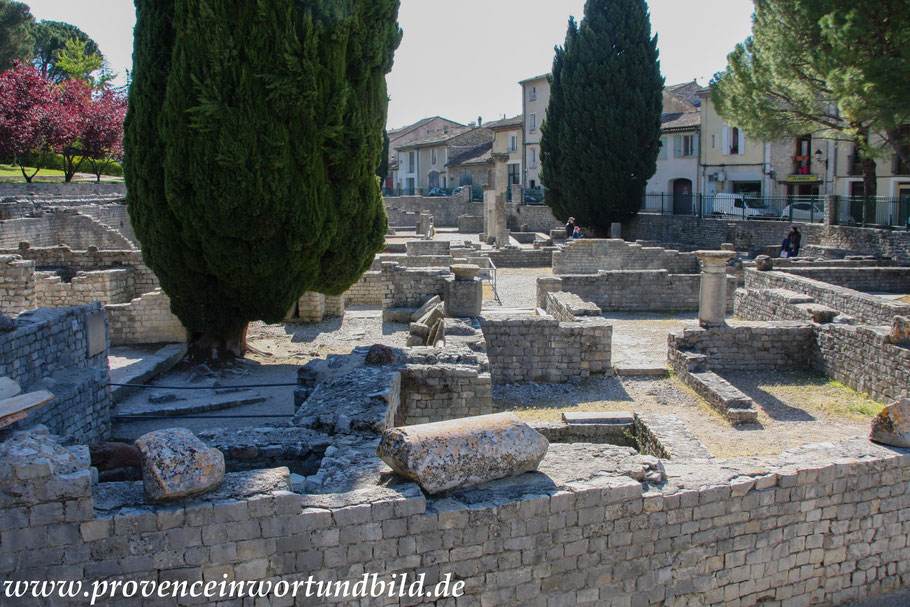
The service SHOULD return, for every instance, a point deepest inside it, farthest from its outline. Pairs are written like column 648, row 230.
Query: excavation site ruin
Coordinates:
column 671, row 416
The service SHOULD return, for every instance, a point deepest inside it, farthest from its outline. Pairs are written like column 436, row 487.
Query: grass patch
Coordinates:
column 12, row 170
column 904, row 299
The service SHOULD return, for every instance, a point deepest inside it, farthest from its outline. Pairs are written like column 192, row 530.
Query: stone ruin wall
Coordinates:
column 139, row 311
column 62, row 227
column 509, row 257
column 49, row 351
column 146, row 319
column 410, row 288
column 43, row 191
column 864, row 308
column 633, row 291
column 755, row 236
column 866, row 279
column 787, row 530
column 589, row 256
column 367, row 291
column 537, row 217
column 567, row 307
column 543, row 349
column 432, row 393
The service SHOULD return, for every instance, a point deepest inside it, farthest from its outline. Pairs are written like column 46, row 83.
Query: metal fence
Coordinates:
column 873, row 211
column 737, row 206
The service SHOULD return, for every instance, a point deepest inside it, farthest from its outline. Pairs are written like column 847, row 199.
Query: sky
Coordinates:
column 463, row 59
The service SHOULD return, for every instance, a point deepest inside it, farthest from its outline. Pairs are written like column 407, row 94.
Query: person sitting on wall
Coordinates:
column 570, row 227
column 785, row 247
column 576, row 232
column 794, row 237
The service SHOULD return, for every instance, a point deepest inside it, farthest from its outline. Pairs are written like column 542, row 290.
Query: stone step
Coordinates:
column 142, row 371
column 200, row 404
column 598, row 417
column 642, row 371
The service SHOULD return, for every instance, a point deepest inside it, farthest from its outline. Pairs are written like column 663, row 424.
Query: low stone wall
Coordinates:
column 773, row 304
column 886, row 280
column 633, row 291
column 114, row 216
column 514, row 257
column 470, row 224
column 753, row 236
column 428, row 247
column 746, row 346
column 314, row 307
column 61, row 227
column 411, row 287
column 405, row 210
column 414, row 261
column 17, row 284
column 432, row 393
column 367, row 291
column 863, row 359
column 864, row 308
column 537, row 217
column 64, row 258
column 145, row 320
column 588, row 256
column 543, row 349
column 567, row 307
column 104, row 286
column 49, row 350
column 41, row 190
column 788, row 530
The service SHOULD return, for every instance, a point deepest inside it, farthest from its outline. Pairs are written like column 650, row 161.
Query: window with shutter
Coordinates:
column 662, row 154
column 677, row 146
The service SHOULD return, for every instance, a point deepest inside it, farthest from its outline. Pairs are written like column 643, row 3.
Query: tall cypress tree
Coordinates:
column 601, row 136
column 251, row 143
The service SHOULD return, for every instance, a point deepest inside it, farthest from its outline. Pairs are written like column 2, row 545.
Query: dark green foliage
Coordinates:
column 16, row 33
column 600, row 139
column 383, row 170
column 251, row 142
column 51, row 38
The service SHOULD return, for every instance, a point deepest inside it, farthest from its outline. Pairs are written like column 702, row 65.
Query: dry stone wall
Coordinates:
column 746, row 346
column 515, row 257
column 367, row 291
column 567, row 307
column 432, row 393
column 61, row 257
column 104, row 286
column 588, row 256
column 41, row 191
column 405, row 210
column 887, row 280
column 48, row 350
column 531, row 348
column 410, row 288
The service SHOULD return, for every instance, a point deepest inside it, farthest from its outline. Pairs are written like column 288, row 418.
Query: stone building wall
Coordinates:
column 48, row 350
column 633, row 291
column 114, row 216
column 428, row 247
column 405, row 210
column 863, row 359
column 772, row 304
column 146, row 319
column 887, row 280
column 864, row 308
column 432, row 393
column 588, row 256
column 791, row 530
column 567, row 307
column 61, row 227
column 411, row 287
column 61, row 257
column 532, row 348
column 470, row 224
column 17, row 284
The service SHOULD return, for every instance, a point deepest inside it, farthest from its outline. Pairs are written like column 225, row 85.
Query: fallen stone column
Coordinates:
column 461, row 452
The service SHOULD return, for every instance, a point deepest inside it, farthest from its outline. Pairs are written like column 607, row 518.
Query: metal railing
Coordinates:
column 737, row 206
column 877, row 211
column 533, row 195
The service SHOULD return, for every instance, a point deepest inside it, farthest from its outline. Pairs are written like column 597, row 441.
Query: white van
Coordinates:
column 738, row 205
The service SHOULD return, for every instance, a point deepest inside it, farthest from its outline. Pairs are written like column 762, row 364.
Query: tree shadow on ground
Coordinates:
column 751, row 385
column 309, row 332
column 592, row 394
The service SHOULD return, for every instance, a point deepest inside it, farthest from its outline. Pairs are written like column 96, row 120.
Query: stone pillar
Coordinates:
column 712, row 297
column 516, row 193
column 489, row 214
column 615, row 230
column 464, row 293
column 830, row 204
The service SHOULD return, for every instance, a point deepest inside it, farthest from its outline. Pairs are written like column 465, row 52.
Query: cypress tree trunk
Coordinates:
column 251, row 143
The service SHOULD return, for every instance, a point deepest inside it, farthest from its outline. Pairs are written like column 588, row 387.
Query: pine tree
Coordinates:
column 600, row 139
column 252, row 139
column 833, row 68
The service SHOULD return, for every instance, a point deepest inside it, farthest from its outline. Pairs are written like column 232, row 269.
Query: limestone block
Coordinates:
column 426, row 307
column 463, row 298
column 176, row 464
column 892, row 425
column 458, row 453
column 900, row 330
column 763, row 263
column 435, row 314
column 464, row 271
